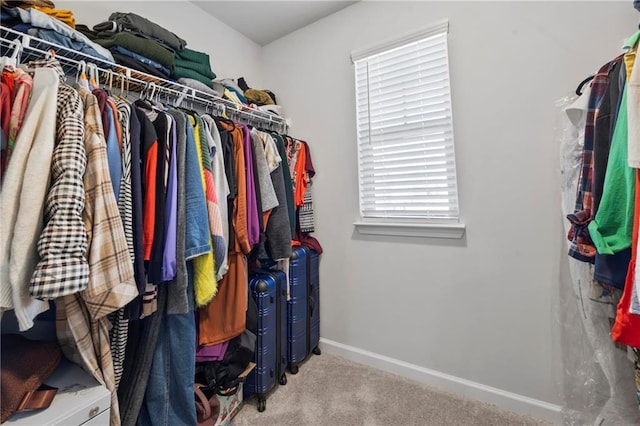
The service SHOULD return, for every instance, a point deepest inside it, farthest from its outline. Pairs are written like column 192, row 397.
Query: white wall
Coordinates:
column 232, row 54
column 478, row 309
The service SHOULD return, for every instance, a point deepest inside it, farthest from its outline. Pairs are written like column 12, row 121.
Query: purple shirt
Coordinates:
column 252, row 205
column 169, row 262
column 211, row 353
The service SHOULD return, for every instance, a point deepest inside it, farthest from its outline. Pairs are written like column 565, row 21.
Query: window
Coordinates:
column 406, row 160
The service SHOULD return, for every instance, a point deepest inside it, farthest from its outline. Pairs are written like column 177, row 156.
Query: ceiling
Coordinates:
column 266, row 21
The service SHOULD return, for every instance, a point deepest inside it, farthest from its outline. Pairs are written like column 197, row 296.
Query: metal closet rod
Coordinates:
column 30, row 48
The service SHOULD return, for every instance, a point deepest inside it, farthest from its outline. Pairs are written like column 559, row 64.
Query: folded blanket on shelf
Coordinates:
column 140, row 45
column 195, row 61
column 180, row 72
column 138, row 24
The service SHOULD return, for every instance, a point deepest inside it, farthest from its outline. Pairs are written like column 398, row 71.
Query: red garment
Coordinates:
column 626, row 329
column 308, row 164
column 102, row 97
column 149, row 213
column 8, row 78
column 307, row 241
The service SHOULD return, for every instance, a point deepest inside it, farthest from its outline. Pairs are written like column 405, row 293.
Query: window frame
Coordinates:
column 430, row 227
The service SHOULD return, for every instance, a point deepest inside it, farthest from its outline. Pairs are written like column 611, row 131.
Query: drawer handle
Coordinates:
column 94, row 411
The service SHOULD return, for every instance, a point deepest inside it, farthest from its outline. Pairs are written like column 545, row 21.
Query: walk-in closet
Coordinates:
column 319, row 213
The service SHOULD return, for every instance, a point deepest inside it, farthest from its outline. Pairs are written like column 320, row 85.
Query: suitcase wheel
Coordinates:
column 294, row 369
column 262, row 404
column 283, row 380
column 317, row 350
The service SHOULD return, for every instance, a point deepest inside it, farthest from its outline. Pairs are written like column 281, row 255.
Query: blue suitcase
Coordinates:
column 297, row 308
column 268, row 289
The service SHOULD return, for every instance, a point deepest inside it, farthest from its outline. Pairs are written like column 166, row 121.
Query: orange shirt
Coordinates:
column 301, row 175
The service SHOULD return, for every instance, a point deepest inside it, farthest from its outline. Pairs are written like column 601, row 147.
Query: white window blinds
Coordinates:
column 406, row 158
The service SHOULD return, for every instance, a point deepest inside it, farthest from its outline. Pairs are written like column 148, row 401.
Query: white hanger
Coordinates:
column 93, row 76
column 13, row 59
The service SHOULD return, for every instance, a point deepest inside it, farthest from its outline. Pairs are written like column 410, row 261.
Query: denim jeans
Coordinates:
column 169, row 396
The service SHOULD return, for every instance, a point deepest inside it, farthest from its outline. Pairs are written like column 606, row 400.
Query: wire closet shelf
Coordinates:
column 117, row 76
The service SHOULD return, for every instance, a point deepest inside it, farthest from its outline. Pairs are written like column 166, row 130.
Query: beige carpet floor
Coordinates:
column 330, row 390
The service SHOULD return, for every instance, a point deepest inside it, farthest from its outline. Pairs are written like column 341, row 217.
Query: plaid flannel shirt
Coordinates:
column 581, row 247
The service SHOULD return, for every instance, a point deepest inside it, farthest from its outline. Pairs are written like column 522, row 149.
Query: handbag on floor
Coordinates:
column 207, row 409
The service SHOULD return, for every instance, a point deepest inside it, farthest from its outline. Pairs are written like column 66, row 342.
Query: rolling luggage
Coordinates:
column 268, row 289
column 297, row 308
column 303, row 307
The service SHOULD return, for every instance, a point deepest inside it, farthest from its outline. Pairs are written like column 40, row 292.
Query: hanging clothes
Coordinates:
column 609, row 269
column 225, row 316
column 626, row 329
column 82, row 326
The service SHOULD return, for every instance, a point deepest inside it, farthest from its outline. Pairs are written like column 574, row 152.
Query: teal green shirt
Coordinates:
column 611, row 229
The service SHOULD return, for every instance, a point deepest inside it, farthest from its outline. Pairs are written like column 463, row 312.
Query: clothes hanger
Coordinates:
column 121, row 93
column 582, row 84
column 93, row 70
column 14, row 58
column 147, row 100
column 81, row 76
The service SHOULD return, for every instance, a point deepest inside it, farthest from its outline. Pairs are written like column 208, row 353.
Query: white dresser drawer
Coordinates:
column 101, row 419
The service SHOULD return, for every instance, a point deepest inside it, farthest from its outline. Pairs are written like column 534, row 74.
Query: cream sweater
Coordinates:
column 22, row 198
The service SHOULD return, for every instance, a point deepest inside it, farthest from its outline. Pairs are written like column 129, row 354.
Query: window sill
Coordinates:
column 432, row 230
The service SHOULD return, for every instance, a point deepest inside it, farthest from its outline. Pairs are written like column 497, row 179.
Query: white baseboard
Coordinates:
column 504, row 399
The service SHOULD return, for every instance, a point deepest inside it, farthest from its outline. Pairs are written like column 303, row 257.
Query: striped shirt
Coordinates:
column 119, row 332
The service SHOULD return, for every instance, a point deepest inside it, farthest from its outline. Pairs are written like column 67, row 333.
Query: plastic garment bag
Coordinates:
column 597, row 380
